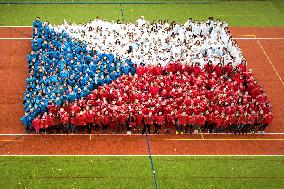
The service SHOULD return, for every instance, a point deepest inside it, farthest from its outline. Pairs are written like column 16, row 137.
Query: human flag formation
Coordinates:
column 135, row 75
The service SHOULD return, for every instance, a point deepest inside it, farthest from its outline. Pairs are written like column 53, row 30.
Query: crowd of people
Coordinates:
column 61, row 68
column 169, row 99
column 159, row 42
column 101, row 86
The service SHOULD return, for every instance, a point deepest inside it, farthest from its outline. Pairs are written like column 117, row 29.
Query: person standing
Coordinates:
column 159, row 121
column 148, row 122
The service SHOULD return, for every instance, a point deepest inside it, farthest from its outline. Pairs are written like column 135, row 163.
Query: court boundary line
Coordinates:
column 16, row 38
column 141, row 155
column 104, row 3
column 15, row 26
column 237, row 38
column 224, row 139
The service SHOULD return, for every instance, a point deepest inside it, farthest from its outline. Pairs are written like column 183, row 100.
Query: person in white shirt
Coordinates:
column 188, row 23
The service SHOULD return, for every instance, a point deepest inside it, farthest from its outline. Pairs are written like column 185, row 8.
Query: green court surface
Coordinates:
column 135, row 172
column 237, row 13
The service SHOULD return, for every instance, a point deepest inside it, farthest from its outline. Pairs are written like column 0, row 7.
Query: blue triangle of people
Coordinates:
column 60, row 68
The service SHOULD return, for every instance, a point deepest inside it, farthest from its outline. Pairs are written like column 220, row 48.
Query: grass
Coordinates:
column 135, row 172
column 237, row 13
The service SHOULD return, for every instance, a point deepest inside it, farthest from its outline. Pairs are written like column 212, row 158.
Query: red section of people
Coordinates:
column 186, row 95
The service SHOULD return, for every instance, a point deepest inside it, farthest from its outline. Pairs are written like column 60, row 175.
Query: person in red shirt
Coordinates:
column 140, row 70
column 211, row 121
column 267, row 120
column 242, row 118
column 259, row 120
column 74, row 107
column 196, row 69
column 153, row 89
column 50, row 122
column 139, row 120
column 201, row 119
column 65, row 122
column 228, row 69
column 170, row 121
column 158, row 70
column 243, row 66
column 218, row 69
column 90, row 119
column 106, row 121
column 52, row 108
column 57, row 121
column 231, row 122
column 98, row 121
column 160, row 120
column 36, row 123
column 209, row 67
column 81, row 120
column 43, row 123
column 148, row 122
column 191, row 121
column 73, row 121
column 131, row 122
column 182, row 122
column 219, row 121
column 122, row 122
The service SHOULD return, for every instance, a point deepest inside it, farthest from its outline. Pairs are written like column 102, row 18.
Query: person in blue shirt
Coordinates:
column 110, row 56
column 31, row 56
column 132, row 70
column 111, row 67
column 71, row 96
column 85, row 92
column 37, row 23
column 43, row 107
column 99, row 73
column 26, row 120
column 58, row 101
column 35, row 46
column 125, row 69
column 113, row 75
column 64, row 73
column 102, row 55
column 93, row 67
column 102, row 80
column 108, row 80
column 79, row 93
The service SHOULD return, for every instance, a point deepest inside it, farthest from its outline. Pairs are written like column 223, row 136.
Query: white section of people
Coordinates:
column 160, row 42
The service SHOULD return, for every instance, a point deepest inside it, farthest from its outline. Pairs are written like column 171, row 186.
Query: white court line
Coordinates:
column 141, row 155
column 81, row 134
column 11, row 38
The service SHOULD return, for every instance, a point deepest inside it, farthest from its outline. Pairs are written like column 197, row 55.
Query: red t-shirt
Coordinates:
column 36, row 123
column 160, row 119
column 182, row 119
column 139, row 120
column 148, row 120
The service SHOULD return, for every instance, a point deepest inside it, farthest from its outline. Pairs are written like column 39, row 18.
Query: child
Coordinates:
column 160, row 121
